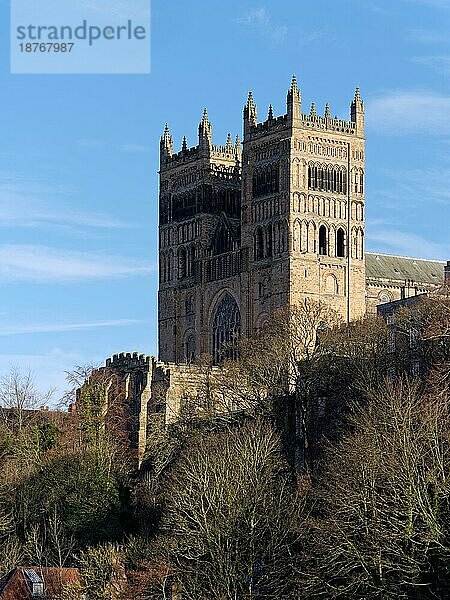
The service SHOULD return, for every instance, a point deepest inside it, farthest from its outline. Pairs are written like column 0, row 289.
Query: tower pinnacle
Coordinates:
column 205, row 131
column 250, row 113
column 357, row 111
column 294, row 103
column 166, row 143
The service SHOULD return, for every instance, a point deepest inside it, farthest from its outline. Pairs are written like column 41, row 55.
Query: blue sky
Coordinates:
column 79, row 154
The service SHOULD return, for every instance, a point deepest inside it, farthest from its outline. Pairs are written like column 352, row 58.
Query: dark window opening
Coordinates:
column 258, row 242
column 182, row 266
column 266, row 181
column 340, row 243
column 323, row 240
column 226, row 329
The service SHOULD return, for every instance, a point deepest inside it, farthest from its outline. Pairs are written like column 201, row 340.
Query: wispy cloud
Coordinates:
column 409, row 112
column 118, row 10
column 134, row 148
column 260, row 19
column 432, row 183
column 424, row 36
column 34, row 203
column 64, row 327
column 44, row 264
column 434, row 3
column 128, row 147
column 47, row 369
column 406, row 244
column 90, row 143
column 438, row 63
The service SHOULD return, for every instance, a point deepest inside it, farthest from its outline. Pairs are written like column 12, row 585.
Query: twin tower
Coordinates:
column 245, row 230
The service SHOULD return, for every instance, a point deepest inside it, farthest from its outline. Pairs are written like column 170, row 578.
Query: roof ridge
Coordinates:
column 438, row 260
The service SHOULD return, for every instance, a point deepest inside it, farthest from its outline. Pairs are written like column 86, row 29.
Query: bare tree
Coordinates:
column 18, row 395
column 279, row 369
column 382, row 528
column 232, row 521
column 76, row 378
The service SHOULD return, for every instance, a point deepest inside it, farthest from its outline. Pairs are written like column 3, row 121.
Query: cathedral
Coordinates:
column 247, row 229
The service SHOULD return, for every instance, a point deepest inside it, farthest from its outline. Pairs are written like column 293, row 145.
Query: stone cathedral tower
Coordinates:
column 244, row 233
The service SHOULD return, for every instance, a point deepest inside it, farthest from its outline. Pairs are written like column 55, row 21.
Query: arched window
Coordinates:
column 331, row 285
column 269, row 240
column 191, row 260
column 283, row 237
column 189, row 349
column 223, row 241
column 182, row 260
column 162, row 268
column 323, row 240
column 384, row 297
column 169, row 265
column 340, row 242
column 226, row 329
column 258, row 244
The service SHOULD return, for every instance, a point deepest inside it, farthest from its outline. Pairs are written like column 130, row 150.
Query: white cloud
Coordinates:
column 406, row 244
column 129, row 147
column 40, row 328
column 48, row 370
column 436, row 3
column 43, row 264
column 261, row 20
column 34, row 203
column 409, row 112
column 134, row 148
column 424, row 36
column 439, row 63
column 413, row 185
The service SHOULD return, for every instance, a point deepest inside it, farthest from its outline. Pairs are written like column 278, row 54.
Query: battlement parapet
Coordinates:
column 129, row 361
column 270, row 124
column 329, row 124
column 316, row 122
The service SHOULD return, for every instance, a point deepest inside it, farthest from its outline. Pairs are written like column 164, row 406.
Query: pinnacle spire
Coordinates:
column 237, row 147
column 184, row 144
column 327, row 110
column 205, row 131
column 294, row 83
column 357, row 94
column 250, row 113
column 166, row 144
column 270, row 116
column 166, row 137
column 313, row 110
column 229, row 141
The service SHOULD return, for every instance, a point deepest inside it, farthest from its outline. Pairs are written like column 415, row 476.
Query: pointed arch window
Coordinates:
column 226, row 329
column 269, row 240
column 340, row 242
column 189, row 349
column 182, row 263
column 258, row 243
column 323, row 246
